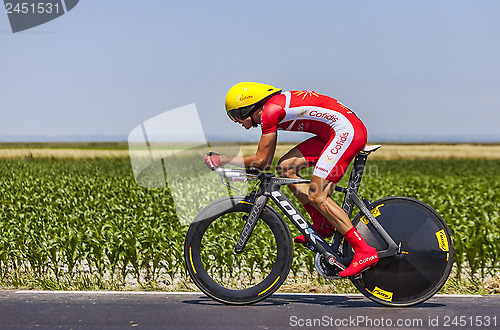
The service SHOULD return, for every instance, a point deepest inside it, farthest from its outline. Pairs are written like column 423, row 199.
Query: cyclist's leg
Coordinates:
column 365, row 256
column 300, row 157
column 331, row 166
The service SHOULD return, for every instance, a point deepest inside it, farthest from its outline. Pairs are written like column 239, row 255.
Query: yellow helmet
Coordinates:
column 244, row 98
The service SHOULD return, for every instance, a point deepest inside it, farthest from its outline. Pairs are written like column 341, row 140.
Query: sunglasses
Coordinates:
column 241, row 113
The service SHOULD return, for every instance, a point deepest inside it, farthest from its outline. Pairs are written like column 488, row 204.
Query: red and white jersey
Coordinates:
column 340, row 135
column 309, row 112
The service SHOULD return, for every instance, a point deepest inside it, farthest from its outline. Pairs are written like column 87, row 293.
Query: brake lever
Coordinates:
column 222, row 176
column 228, row 184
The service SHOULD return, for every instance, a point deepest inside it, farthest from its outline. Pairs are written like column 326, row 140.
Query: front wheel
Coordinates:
column 424, row 259
column 238, row 278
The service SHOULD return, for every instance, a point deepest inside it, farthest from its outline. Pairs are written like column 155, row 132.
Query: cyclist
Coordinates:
column 339, row 137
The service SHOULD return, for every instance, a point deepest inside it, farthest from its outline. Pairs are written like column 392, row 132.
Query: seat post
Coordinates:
column 358, row 167
column 354, row 181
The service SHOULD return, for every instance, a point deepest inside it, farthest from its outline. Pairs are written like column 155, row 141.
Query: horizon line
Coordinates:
column 211, row 138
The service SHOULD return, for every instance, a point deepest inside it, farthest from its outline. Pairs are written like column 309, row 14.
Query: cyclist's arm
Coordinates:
column 262, row 159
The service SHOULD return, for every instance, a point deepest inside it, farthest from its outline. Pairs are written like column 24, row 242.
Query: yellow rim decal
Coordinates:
column 191, row 259
column 245, row 202
column 375, row 212
column 442, row 240
column 269, row 286
column 381, row 294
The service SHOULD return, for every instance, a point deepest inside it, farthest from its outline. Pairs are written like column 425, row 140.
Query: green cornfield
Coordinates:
column 88, row 221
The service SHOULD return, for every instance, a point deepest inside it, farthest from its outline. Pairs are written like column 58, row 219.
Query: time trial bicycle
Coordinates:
column 239, row 249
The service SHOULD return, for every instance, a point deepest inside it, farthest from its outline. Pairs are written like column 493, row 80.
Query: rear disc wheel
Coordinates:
column 423, row 262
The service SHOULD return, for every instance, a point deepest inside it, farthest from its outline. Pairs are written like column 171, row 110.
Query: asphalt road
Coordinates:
column 108, row 310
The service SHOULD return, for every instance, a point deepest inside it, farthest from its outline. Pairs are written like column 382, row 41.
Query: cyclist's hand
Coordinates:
column 212, row 160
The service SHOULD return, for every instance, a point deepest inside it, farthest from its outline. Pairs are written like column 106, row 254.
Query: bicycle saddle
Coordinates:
column 370, row 149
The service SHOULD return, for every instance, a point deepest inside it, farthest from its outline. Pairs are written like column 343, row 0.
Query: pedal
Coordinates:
column 333, row 270
column 360, row 275
column 325, row 270
column 331, row 274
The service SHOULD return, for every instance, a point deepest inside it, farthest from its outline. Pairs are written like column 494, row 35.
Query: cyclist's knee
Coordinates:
column 280, row 169
column 286, row 167
column 285, row 172
column 291, row 164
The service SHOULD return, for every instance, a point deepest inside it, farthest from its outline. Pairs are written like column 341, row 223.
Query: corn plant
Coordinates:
column 88, row 219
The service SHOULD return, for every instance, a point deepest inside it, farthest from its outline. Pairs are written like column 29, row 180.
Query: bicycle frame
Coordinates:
column 270, row 188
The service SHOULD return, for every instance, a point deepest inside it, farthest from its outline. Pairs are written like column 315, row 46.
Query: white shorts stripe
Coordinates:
column 333, row 152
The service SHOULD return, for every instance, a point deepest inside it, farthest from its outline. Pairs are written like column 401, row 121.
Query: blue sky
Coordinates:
column 407, row 68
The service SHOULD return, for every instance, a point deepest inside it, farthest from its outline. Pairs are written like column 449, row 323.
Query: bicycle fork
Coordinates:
column 250, row 223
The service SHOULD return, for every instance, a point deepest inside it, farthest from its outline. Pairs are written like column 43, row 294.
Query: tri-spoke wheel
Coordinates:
column 238, row 278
